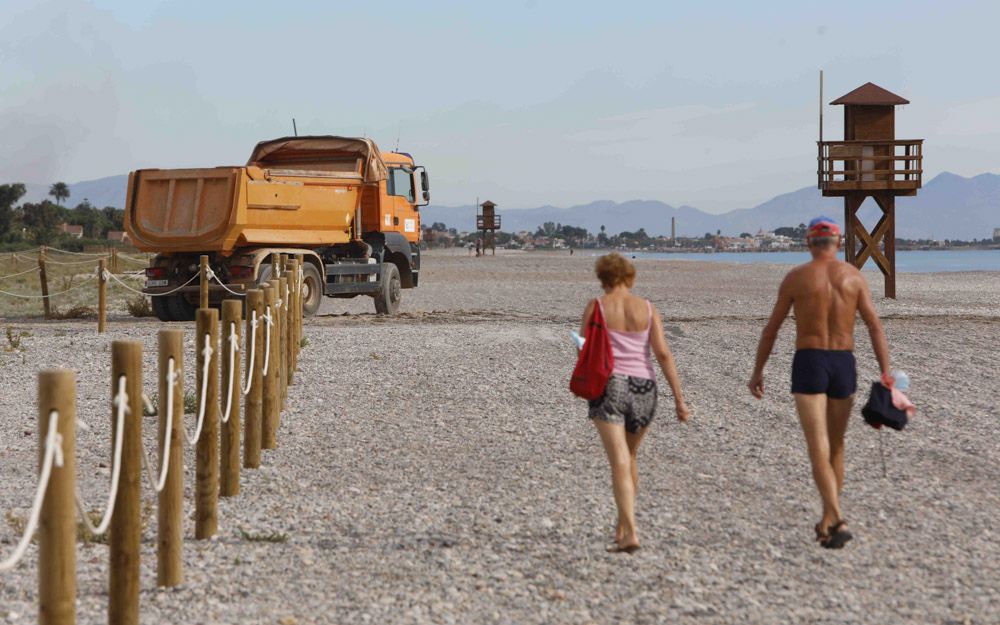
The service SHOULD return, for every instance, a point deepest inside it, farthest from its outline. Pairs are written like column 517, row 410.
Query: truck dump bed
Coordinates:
column 301, row 191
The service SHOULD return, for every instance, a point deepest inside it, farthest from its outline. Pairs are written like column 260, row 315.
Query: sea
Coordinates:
column 915, row 261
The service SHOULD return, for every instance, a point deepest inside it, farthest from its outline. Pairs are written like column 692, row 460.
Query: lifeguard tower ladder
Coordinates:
column 870, row 162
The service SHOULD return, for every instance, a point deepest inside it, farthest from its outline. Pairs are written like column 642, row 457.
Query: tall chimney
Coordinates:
column 673, row 230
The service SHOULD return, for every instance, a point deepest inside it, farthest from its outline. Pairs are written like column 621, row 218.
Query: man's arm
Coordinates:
column 867, row 311
column 769, row 335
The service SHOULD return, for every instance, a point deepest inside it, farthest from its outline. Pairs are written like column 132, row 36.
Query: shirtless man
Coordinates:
column 826, row 294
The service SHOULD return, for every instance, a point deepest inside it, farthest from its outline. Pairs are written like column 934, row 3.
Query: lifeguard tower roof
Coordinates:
column 870, row 94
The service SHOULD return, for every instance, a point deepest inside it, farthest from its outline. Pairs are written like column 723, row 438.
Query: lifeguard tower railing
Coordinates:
column 846, row 166
column 487, row 222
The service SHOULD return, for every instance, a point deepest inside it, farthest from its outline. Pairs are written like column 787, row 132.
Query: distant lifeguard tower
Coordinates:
column 488, row 222
column 870, row 162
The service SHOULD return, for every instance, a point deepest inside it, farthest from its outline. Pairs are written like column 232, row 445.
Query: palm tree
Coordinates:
column 60, row 191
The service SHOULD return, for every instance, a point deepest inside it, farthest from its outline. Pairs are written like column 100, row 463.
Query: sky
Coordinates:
column 527, row 103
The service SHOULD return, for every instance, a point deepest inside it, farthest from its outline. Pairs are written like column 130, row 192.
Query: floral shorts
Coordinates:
column 626, row 400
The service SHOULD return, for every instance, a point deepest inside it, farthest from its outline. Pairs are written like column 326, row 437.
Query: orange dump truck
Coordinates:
column 351, row 210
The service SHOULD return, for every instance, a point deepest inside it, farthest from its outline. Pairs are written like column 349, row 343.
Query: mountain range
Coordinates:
column 947, row 207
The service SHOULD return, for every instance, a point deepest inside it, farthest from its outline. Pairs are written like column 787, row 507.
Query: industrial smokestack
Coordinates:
column 673, row 230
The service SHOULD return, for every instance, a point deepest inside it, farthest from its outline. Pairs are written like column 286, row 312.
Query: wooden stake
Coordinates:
column 252, row 420
column 299, row 310
column 269, row 421
column 229, row 468
column 293, row 344
column 57, row 529
column 203, row 290
column 170, row 511
column 102, row 298
column 207, row 449
column 125, row 530
column 283, row 372
column 43, row 278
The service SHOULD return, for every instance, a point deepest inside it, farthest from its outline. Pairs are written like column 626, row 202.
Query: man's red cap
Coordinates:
column 822, row 227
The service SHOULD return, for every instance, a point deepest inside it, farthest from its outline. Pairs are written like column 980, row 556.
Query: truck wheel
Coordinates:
column 161, row 309
column 180, row 308
column 312, row 290
column 387, row 298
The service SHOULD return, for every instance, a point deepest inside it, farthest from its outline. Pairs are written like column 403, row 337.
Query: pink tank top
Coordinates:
column 631, row 349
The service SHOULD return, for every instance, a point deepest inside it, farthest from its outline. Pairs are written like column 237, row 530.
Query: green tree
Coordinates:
column 9, row 195
column 43, row 220
column 59, row 191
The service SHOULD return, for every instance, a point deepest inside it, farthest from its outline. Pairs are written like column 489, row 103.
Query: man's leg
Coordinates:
column 838, row 414
column 812, row 416
column 613, row 438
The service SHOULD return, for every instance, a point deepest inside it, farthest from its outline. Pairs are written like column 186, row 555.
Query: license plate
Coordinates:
column 150, row 283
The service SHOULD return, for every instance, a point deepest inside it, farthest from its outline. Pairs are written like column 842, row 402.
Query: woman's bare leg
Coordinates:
column 616, row 447
column 632, row 440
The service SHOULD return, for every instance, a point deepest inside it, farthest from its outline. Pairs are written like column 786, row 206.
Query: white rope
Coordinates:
column 268, row 322
column 233, row 348
column 121, row 402
column 53, row 456
column 58, row 251
column 110, row 275
column 155, row 483
column 207, row 353
column 74, row 262
column 253, row 352
column 72, row 288
column 211, row 276
column 20, row 273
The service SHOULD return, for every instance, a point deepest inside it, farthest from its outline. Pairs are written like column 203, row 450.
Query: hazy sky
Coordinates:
column 712, row 104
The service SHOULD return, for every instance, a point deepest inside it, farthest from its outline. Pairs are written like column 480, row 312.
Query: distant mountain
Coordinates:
column 948, row 207
column 102, row 192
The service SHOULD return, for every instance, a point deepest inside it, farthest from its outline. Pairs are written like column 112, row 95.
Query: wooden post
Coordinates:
column 170, row 511
column 252, row 419
column 125, row 530
column 102, row 298
column 269, row 420
column 283, row 371
column 57, row 528
column 207, row 449
column 203, row 290
column 229, row 458
column 43, row 278
column 293, row 278
column 300, row 311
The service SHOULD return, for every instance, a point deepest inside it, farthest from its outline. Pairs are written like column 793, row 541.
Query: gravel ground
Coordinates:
column 433, row 468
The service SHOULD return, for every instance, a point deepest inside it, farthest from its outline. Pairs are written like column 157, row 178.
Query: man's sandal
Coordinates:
column 838, row 536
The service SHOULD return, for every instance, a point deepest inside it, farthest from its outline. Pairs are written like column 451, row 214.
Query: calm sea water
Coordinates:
column 919, row 261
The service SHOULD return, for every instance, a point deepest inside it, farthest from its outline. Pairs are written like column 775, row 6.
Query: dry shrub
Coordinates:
column 76, row 312
column 139, row 306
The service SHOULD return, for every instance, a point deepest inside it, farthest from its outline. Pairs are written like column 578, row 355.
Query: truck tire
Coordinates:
column 180, row 308
column 312, row 290
column 387, row 298
column 161, row 309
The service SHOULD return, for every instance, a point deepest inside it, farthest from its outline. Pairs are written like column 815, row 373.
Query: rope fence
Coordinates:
column 57, row 502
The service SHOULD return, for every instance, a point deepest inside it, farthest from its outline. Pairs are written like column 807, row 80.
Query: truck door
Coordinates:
column 400, row 215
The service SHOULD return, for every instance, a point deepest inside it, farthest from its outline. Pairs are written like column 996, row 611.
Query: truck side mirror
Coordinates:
column 425, row 186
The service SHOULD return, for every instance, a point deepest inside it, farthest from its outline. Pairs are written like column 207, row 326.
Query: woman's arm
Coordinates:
column 658, row 341
column 588, row 312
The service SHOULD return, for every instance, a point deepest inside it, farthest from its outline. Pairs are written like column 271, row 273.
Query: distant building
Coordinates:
column 996, row 235
column 71, row 230
column 118, row 235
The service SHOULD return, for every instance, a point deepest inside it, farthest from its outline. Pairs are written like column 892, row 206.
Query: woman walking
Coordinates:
column 623, row 414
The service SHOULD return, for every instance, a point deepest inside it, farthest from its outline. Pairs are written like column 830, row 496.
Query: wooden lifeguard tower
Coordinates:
column 870, row 162
column 488, row 222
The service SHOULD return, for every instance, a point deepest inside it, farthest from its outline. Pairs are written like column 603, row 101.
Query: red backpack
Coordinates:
column 595, row 362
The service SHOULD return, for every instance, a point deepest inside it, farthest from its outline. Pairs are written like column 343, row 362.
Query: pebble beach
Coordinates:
column 432, row 466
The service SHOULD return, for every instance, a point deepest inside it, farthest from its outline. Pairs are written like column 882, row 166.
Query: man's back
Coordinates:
column 825, row 295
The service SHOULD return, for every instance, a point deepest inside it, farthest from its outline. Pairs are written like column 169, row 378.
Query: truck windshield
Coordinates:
column 400, row 183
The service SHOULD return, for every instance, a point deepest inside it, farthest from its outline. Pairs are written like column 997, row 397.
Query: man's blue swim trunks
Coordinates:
column 828, row 371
